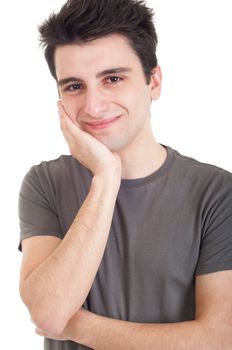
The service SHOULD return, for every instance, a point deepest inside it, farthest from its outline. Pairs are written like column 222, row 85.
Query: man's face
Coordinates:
column 102, row 86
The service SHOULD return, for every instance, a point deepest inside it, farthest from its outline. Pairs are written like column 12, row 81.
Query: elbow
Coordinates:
column 52, row 326
column 49, row 321
column 45, row 317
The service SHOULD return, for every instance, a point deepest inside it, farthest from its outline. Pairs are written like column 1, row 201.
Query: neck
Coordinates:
column 140, row 161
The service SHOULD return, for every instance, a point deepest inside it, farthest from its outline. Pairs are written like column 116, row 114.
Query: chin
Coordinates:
column 114, row 145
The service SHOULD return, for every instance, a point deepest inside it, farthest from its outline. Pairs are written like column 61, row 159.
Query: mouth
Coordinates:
column 103, row 123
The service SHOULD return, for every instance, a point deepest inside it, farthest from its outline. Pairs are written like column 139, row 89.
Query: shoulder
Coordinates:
column 56, row 173
column 63, row 166
column 202, row 185
column 55, row 166
column 200, row 172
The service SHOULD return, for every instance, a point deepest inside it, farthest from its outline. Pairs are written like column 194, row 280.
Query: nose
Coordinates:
column 95, row 103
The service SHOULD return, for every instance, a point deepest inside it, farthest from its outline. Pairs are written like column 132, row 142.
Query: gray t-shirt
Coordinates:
column 166, row 229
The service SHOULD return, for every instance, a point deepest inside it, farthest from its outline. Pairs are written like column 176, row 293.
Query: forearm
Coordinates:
column 121, row 335
column 57, row 288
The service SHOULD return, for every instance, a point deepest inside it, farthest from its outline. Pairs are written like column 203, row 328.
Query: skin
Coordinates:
column 93, row 97
column 124, row 149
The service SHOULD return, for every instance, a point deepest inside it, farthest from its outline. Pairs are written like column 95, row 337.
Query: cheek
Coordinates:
column 137, row 101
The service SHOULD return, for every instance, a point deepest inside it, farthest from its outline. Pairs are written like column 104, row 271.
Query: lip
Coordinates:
column 103, row 124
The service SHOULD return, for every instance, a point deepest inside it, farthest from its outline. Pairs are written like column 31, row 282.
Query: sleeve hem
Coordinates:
column 214, row 268
column 37, row 234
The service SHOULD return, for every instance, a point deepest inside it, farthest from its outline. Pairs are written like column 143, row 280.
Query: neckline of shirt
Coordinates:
column 128, row 183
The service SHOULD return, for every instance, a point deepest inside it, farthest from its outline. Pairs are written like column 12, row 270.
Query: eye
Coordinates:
column 73, row 87
column 113, row 80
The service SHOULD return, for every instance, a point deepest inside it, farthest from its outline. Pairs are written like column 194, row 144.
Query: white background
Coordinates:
column 193, row 115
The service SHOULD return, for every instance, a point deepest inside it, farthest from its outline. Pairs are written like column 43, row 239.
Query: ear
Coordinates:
column 155, row 84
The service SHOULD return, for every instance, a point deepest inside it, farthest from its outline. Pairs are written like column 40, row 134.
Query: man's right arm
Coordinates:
column 55, row 284
column 59, row 285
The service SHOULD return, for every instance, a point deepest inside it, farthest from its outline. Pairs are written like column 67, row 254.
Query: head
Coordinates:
column 81, row 21
column 102, row 54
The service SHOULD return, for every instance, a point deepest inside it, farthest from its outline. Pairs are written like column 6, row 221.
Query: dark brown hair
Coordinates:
column 81, row 21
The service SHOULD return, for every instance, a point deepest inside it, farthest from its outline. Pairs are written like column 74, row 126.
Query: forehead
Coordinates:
column 94, row 56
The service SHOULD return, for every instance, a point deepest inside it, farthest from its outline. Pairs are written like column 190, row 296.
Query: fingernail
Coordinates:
column 37, row 331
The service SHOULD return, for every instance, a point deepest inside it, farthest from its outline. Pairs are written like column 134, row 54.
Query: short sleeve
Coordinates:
column 37, row 215
column 216, row 245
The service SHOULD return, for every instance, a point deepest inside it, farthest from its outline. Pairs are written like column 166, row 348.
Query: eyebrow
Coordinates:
column 113, row 71
column 99, row 75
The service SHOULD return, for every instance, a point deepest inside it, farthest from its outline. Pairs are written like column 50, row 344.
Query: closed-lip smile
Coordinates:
column 103, row 123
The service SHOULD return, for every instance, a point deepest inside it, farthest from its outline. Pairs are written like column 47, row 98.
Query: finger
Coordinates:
column 63, row 113
column 59, row 106
column 40, row 332
column 65, row 121
column 69, row 128
column 32, row 320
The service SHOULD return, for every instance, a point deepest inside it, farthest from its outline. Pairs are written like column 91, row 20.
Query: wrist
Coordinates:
column 90, row 337
column 112, row 168
column 86, row 328
column 108, row 178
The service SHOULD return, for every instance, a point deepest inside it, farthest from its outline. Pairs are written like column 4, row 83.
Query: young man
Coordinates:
column 127, row 244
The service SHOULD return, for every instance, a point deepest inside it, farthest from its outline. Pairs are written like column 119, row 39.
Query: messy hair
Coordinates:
column 81, row 21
